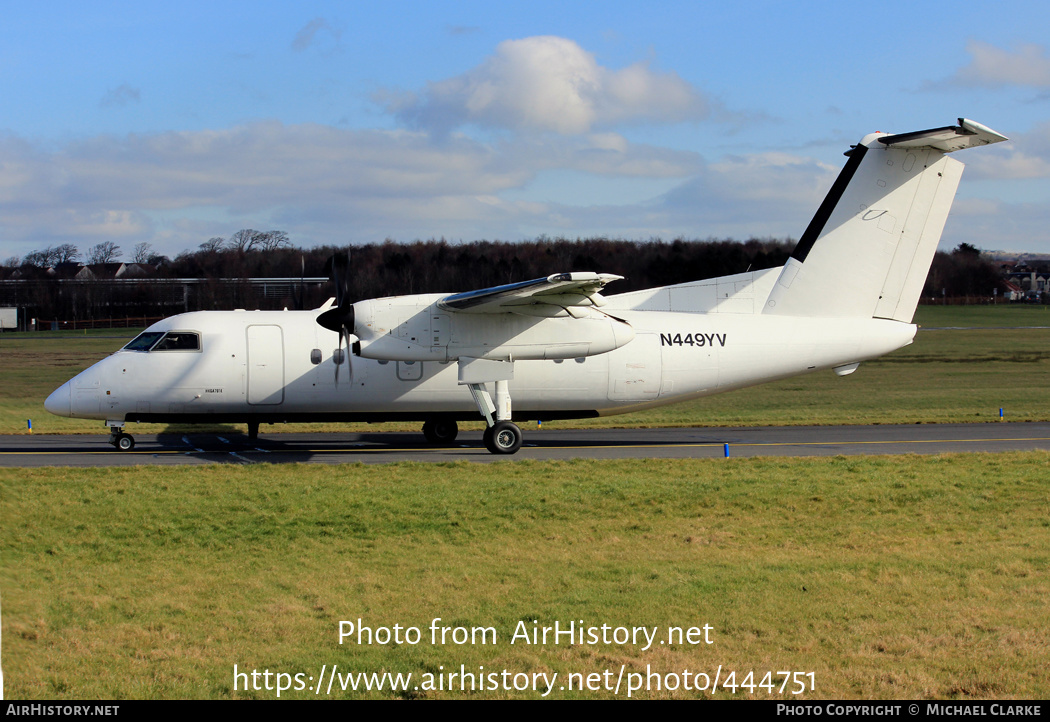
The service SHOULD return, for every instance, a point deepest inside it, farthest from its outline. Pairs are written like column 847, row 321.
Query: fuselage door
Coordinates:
column 634, row 374
column 265, row 365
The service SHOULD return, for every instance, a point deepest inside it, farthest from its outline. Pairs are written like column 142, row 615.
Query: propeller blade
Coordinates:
column 349, row 362
column 344, row 356
column 339, row 359
column 338, row 269
column 342, row 316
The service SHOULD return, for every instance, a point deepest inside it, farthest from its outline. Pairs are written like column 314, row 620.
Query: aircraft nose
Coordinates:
column 58, row 402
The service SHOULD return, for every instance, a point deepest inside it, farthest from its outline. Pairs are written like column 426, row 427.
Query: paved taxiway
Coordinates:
column 381, row 447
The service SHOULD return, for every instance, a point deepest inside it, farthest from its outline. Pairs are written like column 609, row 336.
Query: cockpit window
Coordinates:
column 170, row 341
column 179, row 341
column 144, row 341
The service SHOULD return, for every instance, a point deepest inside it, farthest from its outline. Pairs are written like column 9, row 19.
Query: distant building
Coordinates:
column 1013, row 291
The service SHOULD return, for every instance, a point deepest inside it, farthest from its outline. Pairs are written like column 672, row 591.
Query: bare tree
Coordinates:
column 45, row 258
column 272, row 241
column 216, row 243
column 243, row 240
column 105, row 252
column 35, row 258
column 142, row 253
column 12, row 262
column 67, row 253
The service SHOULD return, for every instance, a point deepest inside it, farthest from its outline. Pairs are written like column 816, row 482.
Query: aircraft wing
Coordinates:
column 554, row 295
column 967, row 134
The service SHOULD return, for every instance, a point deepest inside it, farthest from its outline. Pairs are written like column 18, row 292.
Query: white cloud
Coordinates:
column 997, row 225
column 1009, row 165
column 549, row 84
column 326, row 185
column 1025, row 64
column 319, row 183
column 1026, row 156
column 762, row 195
column 765, row 194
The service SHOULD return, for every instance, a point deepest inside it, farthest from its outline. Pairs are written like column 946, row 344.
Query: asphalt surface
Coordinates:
column 385, row 447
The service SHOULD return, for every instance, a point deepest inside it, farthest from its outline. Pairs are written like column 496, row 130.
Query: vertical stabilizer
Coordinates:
column 868, row 249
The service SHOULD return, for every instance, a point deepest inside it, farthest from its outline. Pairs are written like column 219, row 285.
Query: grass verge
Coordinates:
column 886, row 577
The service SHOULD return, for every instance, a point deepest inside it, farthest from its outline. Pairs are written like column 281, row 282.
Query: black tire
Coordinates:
column 503, row 437
column 124, row 442
column 440, row 432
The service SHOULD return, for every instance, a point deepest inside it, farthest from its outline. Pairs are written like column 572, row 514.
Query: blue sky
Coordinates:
column 345, row 123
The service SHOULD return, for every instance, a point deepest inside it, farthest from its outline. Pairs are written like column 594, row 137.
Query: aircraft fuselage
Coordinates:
column 281, row 366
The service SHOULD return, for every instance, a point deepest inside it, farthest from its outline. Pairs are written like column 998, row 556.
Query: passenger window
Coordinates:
column 179, row 341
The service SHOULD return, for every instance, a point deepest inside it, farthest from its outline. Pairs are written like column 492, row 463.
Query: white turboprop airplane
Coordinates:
column 554, row 345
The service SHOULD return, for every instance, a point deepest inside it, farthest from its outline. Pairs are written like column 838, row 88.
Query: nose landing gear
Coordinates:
column 120, row 440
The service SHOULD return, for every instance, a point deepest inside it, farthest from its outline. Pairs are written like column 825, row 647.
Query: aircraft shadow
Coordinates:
column 238, row 447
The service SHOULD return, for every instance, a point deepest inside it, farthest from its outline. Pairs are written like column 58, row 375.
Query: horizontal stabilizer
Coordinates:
column 968, row 134
column 560, row 290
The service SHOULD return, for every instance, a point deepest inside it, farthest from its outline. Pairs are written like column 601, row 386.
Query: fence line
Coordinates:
column 91, row 323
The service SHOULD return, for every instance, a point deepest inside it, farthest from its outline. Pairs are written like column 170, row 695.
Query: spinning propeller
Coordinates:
column 340, row 318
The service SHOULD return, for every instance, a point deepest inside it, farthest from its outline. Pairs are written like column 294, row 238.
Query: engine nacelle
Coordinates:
column 414, row 328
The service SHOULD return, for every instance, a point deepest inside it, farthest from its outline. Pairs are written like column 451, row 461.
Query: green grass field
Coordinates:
column 965, row 374
column 905, row 577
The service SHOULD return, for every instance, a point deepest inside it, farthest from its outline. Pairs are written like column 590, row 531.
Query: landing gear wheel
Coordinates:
column 503, row 437
column 440, row 432
column 124, row 442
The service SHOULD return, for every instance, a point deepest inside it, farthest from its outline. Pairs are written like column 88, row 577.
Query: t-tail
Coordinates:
column 869, row 247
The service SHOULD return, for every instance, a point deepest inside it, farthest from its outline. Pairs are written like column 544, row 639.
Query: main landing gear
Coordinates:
column 502, row 436
column 440, row 432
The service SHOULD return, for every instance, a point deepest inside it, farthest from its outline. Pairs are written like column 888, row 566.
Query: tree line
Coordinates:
column 105, row 252
column 223, row 265
column 243, row 241
column 963, row 273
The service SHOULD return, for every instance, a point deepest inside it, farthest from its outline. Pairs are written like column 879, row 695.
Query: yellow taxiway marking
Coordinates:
column 431, row 449
column 796, row 443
